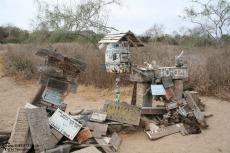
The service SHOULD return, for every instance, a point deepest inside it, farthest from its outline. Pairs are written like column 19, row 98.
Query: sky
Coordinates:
column 134, row 15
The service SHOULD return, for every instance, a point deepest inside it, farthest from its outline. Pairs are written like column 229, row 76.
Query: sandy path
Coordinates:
column 213, row 140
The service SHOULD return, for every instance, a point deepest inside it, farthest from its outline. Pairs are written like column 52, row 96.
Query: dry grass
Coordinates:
column 209, row 67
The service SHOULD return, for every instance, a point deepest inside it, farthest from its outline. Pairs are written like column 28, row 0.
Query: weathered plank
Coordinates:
column 104, row 145
column 115, row 141
column 60, row 149
column 153, row 110
column 90, row 149
column 20, row 133
column 98, row 129
column 98, row 117
column 165, row 131
column 65, row 124
column 196, row 111
column 39, row 128
column 144, row 96
column 56, row 136
column 123, row 113
column 178, row 89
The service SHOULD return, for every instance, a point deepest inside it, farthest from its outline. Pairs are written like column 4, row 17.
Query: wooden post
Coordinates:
column 117, row 90
column 144, row 97
column 134, row 95
column 178, row 89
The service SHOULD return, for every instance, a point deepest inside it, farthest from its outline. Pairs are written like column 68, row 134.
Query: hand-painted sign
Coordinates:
column 64, row 124
column 174, row 72
column 123, row 112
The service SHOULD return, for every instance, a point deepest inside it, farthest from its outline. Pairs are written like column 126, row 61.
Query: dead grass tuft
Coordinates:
column 209, row 67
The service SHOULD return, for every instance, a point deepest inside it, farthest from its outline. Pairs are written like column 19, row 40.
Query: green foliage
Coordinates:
column 12, row 34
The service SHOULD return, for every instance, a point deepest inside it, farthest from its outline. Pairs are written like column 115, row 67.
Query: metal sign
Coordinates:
column 123, row 112
column 157, row 90
column 174, row 72
column 65, row 124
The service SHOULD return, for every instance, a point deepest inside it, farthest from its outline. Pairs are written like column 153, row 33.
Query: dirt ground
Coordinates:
column 213, row 140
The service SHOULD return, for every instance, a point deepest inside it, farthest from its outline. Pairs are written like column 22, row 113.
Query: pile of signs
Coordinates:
column 43, row 125
column 160, row 92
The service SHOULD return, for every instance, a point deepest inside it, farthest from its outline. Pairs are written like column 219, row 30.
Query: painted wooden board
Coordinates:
column 53, row 96
column 65, row 124
column 20, row 133
column 39, row 129
column 174, row 72
column 123, row 113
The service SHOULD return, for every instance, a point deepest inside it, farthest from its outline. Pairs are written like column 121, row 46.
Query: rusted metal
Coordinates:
column 84, row 135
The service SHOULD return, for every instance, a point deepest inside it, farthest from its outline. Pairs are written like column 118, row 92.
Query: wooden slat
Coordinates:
column 20, row 132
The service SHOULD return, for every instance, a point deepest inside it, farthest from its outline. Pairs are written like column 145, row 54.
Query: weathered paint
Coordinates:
column 123, row 113
column 174, row 72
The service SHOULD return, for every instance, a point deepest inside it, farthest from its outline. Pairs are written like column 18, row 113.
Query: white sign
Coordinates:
column 158, row 90
column 64, row 124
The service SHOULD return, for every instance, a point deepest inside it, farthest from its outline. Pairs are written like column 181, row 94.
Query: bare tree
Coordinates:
column 74, row 15
column 213, row 16
column 155, row 31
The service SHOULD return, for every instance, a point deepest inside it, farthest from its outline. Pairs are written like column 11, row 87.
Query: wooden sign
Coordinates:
column 123, row 112
column 39, row 129
column 174, row 72
column 65, row 124
column 20, row 133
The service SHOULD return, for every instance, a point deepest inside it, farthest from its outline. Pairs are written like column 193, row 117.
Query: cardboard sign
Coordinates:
column 157, row 90
column 123, row 112
column 65, row 124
